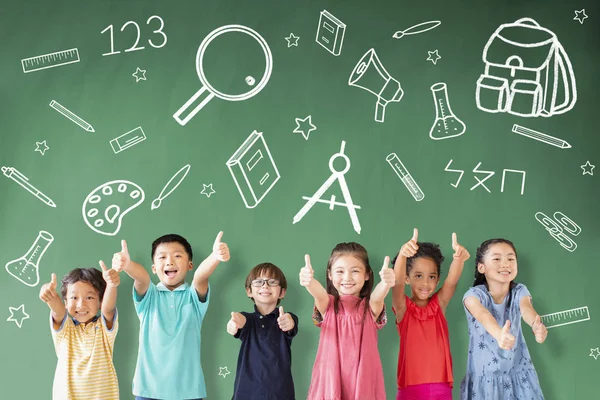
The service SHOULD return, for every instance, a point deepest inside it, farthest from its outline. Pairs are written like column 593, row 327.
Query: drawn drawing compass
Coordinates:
column 335, row 175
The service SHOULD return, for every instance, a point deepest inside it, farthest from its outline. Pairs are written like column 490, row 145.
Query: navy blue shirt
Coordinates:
column 264, row 369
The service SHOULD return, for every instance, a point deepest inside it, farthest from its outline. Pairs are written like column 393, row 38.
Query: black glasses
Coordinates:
column 260, row 282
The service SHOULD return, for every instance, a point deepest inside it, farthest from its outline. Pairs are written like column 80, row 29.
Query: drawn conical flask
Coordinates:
column 26, row 268
column 446, row 124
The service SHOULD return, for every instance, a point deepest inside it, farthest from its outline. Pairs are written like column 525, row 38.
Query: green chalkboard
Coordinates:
column 452, row 116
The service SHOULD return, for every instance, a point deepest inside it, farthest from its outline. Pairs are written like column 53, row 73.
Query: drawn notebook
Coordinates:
column 253, row 169
column 330, row 33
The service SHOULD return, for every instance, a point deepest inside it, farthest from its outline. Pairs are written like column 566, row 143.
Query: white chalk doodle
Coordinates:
column 27, row 267
column 18, row 315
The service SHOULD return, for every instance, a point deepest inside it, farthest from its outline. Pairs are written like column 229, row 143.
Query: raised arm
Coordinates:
column 408, row 249
column 207, row 267
column 49, row 296
column 458, row 262
column 122, row 262
column 237, row 322
column 109, row 300
column 502, row 334
column 313, row 286
column 388, row 280
column 533, row 319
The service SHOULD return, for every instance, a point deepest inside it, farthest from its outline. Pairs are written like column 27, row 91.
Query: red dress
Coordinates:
column 347, row 366
column 424, row 345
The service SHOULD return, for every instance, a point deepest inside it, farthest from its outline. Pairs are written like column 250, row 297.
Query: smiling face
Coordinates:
column 265, row 295
column 82, row 301
column 499, row 264
column 171, row 264
column 423, row 278
column 348, row 275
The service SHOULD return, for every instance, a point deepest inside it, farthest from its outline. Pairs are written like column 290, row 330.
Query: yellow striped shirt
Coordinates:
column 85, row 369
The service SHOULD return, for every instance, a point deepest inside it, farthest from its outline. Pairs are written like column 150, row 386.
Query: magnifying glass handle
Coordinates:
column 203, row 95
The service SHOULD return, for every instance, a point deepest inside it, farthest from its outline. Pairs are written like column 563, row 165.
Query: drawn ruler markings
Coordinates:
column 50, row 60
column 566, row 317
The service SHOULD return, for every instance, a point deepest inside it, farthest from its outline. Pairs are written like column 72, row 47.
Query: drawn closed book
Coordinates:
column 330, row 33
column 253, row 169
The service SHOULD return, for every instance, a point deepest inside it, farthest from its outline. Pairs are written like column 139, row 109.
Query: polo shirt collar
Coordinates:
column 75, row 322
column 163, row 288
column 275, row 311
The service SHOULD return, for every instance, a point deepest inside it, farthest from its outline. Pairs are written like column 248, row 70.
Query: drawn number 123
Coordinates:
column 135, row 47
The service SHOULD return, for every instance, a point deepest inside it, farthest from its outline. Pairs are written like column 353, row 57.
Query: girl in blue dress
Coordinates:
column 499, row 366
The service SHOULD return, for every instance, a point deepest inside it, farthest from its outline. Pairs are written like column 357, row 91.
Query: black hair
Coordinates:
column 173, row 238
column 92, row 276
column 269, row 269
column 481, row 252
column 427, row 250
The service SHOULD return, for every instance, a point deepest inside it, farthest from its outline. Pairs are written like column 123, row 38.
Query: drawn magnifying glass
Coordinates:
column 218, row 64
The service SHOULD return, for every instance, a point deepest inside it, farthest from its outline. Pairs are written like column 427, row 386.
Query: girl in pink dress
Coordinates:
column 349, row 313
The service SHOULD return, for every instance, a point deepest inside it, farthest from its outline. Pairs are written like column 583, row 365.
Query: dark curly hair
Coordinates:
column 427, row 250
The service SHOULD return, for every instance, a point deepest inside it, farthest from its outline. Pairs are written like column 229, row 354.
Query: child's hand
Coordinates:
column 220, row 249
column 121, row 259
column 539, row 330
column 410, row 248
column 460, row 253
column 306, row 273
column 387, row 274
column 235, row 323
column 48, row 290
column 285, row 321
column 506, row 341
column 111, row 276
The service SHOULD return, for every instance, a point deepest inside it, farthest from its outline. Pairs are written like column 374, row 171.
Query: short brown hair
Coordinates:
column 92, row 276
column 267, row 269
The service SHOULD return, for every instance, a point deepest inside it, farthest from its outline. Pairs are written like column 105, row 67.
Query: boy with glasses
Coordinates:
column 264, row 369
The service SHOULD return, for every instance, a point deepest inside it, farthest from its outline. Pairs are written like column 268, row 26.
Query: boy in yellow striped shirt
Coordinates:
column 84, row 341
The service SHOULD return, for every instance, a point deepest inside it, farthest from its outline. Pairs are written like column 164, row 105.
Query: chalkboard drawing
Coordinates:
column 207, row 91
column 446, row 124
column 253, row 169
column 23, row 181
column 566, row 317
column 339, row 176
column 207, row 190
column 41, row 147
column 527, row 77
column 70, row 115
column 170, row 187
column 105, row 207
column 26, row 267
column 304, row 131
column 540, row 137
column 127, row 140
column 50, row 60
column 516, row 171
column 433, row 56
column 292, row 40
column 479, row 181
column 461, row 171
column 405, row 176
column 588, row 168
column 17, row 315
column 580, row 16
column 223, row 371
column 595, row 353
column 557, row 227
column 369, row 74
column 330, row 33
column 139, row 74
column 415, row 29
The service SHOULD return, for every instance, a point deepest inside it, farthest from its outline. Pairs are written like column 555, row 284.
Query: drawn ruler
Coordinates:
column 50, row 60
column 566, row 317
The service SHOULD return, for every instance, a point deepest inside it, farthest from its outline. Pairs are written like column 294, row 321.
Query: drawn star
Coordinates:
column 41, row 147
column 304, row 131
column 292, row 40
column 19, row 318
column 588, row 168
column 139, row 74
column 580, row 16
column 210, row 190
column 597, row 353
column 223, row 371
column 433, row 56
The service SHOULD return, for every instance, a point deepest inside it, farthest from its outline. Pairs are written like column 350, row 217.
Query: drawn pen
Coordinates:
column 72, row 116
column 22, row 180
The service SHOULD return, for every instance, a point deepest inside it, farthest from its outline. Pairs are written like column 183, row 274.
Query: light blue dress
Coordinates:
column 493, row 373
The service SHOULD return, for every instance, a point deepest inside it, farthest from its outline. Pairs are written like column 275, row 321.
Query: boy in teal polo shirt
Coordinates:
column 171, row 313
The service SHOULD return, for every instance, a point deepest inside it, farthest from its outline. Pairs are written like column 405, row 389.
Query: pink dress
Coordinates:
column 347, row 366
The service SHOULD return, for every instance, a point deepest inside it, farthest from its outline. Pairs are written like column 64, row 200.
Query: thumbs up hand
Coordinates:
column 506, row 340
column 387, row 274
column 285, row 320
column 121, row 259
column 235, row 323
column 539, row 330
column 411, row 247
column 306, row 273
column 220, row 249
column 460, row 253
column 48, row 290
column 111, row 276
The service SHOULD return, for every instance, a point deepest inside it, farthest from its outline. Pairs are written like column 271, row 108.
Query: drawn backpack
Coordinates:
column 527, row 72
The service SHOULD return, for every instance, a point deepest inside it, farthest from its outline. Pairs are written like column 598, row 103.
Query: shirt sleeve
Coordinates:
column 476, row 292
column 293, row 332
column 141, row 304
column 201, row 306
column 382, row 319
column 317, row 317
column 520, row 292
column 58, row 335
column 242, row 334
column 111, row 333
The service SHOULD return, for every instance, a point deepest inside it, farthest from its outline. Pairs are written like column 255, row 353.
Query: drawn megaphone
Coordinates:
column 370, row 75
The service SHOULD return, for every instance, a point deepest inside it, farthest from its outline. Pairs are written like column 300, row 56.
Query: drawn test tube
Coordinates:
column 405, row 176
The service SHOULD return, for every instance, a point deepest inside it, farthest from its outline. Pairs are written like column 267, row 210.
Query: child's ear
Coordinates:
column 282, row 294
column 481, row 268
column 406, row 280
column 191, row 266
column 153, row 269
column 249, row 292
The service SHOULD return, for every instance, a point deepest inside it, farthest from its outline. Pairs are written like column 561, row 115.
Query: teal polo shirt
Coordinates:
column 168, row 363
